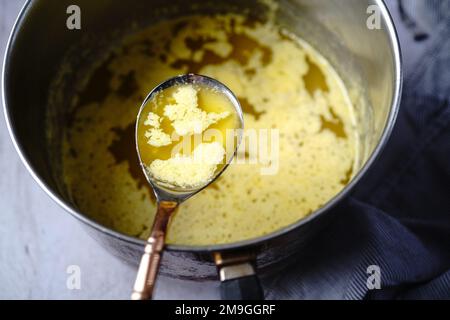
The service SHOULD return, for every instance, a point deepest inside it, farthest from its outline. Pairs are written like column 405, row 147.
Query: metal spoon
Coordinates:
column 169, row 198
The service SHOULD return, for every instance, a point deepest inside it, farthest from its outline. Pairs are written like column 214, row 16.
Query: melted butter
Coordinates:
column 281, row 82
column 335, row 125
column 123, row 151
column 243, row 48
column 314, row 79
column 208, row 102
column 249, row 109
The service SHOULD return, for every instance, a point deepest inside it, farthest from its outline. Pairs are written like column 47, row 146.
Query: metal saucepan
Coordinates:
column 365, row 57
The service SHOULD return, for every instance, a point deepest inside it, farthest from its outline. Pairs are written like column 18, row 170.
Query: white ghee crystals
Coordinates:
column 177, row 115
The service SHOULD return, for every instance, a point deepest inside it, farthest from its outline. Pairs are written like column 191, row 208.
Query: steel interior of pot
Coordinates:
column 367, row 60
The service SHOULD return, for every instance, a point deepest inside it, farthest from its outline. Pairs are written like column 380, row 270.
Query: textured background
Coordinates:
column 38, row 240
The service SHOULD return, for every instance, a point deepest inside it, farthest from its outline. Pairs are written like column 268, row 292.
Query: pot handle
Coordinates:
column 238, row 278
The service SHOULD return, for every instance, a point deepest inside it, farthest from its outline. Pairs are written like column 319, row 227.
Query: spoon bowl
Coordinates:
column 169, row 197
column 165, row 191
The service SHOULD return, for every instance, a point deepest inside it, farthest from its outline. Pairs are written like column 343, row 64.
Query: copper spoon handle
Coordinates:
column 151, row 259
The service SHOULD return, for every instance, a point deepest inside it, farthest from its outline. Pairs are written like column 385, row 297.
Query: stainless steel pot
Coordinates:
column 367, row 59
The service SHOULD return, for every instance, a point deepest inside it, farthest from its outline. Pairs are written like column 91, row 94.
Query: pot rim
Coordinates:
column 395, row 104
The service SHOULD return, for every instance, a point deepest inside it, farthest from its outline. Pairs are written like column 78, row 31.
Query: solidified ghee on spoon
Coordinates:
column 183, row 135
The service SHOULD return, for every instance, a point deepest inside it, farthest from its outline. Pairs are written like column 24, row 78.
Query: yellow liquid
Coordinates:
column 209, row 100
column 281, row 82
